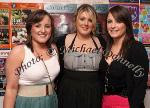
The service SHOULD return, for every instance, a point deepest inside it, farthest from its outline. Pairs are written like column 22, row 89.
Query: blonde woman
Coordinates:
column 80, row 85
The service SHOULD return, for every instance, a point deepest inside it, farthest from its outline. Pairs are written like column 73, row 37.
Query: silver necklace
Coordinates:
column 106, row 79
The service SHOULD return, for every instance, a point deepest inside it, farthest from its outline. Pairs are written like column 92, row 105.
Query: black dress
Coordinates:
column 80, row 85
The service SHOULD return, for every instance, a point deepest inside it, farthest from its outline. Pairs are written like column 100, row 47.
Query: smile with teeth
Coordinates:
column 114, row 30
column 42, row 35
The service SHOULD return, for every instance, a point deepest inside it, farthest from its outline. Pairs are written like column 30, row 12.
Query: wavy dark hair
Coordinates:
column 35, row 17
column 121, row 14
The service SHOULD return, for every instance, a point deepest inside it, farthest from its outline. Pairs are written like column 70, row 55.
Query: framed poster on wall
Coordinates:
column 63, row 15
column 4, row 26
column 124, row 1
column 19, row 13
column 145, row 1
column 144, row 23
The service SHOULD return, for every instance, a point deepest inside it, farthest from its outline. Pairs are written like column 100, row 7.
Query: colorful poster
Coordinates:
column 145, row 18
column 4, row 37
column 19, row 35
column 2, row 76
column 4, row 26
column 124, row 1
column 5, row 1
column 4, row 53
column 63, row 15
column 27, row 1
column 76, row 1
column 144, row 38
column 145, row 24
column 20, row 12
column 145, row 1
column 2, row 63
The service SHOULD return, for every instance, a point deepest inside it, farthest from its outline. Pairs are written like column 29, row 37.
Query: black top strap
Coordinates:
column 102, row 42
column 73, row 42
column 94, row 43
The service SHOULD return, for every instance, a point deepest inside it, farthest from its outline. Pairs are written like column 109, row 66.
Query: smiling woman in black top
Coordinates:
column 79, row 85
column 125, row 63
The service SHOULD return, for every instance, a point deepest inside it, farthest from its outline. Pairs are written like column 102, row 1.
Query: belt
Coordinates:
column 122, row 94
column 35, row 90
column 121, row 91
column 90, row 76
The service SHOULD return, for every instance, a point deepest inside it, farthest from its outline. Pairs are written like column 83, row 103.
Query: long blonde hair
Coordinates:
column 90, row 9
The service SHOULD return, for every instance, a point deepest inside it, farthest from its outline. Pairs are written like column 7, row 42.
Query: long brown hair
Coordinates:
column 121, row 14
column 36, row 17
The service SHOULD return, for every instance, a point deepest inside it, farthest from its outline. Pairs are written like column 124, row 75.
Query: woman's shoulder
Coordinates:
column 18, row 49
column 136, row 45
column 70, row 37
column 95, row 38
column 17, row 52
column 137, row 49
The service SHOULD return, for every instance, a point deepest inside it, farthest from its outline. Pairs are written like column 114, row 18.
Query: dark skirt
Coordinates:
column 80, row 89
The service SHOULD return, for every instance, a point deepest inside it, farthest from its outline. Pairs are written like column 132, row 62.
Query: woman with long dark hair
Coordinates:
column 126, row 63
column 31, row 68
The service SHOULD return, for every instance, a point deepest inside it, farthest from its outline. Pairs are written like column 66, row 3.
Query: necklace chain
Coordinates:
column 106, row 79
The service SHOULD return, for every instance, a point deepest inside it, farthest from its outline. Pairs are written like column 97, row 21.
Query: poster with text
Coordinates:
column 20, row 12
column 63, row 15
column 4, row 53
column 4, row 26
